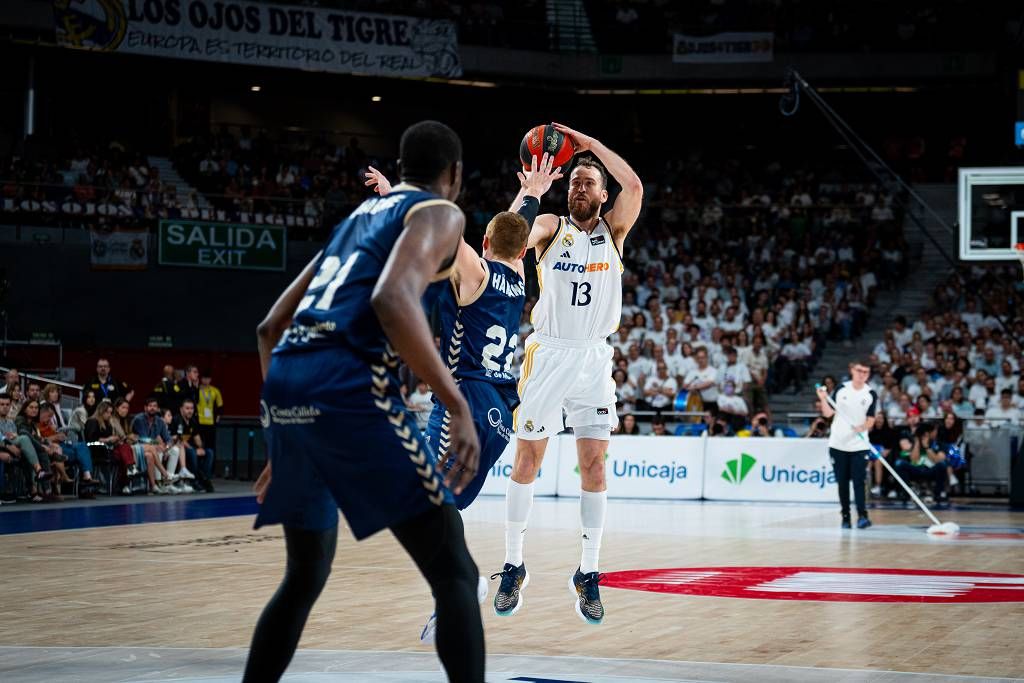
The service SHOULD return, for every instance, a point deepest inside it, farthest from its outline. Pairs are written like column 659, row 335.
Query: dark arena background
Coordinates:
column 824, row 188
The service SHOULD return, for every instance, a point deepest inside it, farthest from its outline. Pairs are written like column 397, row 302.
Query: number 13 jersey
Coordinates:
column 580, row 278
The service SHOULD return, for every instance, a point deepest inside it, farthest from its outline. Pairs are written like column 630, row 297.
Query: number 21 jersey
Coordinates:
column 580, row 279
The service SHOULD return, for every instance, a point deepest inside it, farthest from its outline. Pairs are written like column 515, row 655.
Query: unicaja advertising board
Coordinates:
column 780, row 469
column 499, row 474
column 642, row 467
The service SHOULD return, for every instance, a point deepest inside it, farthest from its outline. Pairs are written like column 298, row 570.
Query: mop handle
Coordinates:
column 863, row 436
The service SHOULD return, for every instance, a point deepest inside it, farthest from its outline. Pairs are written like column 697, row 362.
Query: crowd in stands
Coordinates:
column 48, row 450
column 102, row 184
column 733, row 286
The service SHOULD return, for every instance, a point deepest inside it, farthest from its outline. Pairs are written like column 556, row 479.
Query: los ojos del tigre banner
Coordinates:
column 260, row 34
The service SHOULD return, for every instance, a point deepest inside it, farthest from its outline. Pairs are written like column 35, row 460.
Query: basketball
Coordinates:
column 546, row 138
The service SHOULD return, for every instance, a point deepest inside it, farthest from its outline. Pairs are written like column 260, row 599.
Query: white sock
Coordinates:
column 172, row 460
column 592, row 508
column 518, row 501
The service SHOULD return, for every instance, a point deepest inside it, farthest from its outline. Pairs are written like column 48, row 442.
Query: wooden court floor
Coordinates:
column 203, row 583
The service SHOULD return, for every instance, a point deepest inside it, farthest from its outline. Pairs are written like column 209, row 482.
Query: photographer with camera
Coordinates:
column 819, row 429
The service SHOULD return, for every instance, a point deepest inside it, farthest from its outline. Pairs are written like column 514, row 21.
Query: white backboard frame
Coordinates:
column 968, row 178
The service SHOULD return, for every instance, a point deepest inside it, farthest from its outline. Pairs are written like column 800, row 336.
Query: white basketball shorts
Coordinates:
column 570, row 374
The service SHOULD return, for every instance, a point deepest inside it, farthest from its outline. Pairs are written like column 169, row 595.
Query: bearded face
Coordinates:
column 586, row 194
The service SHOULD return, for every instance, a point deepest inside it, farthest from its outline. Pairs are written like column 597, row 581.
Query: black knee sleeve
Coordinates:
column 310, row 554
column 436, row 542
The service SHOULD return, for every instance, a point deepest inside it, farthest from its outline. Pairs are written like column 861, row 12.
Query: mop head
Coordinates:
column 944, row 529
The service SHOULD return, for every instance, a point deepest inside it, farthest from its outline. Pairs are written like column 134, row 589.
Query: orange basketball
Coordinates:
column 545, row 138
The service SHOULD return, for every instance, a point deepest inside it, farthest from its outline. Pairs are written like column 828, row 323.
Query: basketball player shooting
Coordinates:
column 568, row 360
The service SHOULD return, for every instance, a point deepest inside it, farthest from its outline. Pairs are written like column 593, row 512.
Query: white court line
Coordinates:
column 569, row 658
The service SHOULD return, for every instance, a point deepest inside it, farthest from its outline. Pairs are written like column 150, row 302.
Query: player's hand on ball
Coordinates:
column 465, row 448
column 378, row 181
column 538, row 179
column 579, row 140
column 262, row 484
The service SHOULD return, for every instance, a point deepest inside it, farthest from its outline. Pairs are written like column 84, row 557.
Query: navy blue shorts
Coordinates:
column 491, row 408
column 339, row 436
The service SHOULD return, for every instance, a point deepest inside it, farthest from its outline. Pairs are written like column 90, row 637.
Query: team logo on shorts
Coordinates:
column 567, row 241
column 528, row 426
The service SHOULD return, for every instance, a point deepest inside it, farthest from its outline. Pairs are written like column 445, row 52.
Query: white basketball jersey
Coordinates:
column 580, row 279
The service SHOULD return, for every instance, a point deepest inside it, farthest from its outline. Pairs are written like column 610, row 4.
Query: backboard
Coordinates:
column 991, row 213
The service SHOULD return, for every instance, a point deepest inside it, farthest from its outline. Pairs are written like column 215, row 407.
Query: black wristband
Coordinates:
column 529, row 209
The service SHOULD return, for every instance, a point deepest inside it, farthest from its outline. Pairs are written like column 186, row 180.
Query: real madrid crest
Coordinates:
column 528, row 426
column 567, row 241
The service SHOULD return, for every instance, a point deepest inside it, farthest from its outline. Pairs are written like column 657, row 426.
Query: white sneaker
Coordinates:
column 876, row 491
column 953, row 481
column 127, row 490
column 175, row 489
column 186, row 488
column 892, row 495
column 184, row 473
column 429, row 631
column 162, row 489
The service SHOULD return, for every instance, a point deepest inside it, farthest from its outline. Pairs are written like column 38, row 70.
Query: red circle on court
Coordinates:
column 831, row 584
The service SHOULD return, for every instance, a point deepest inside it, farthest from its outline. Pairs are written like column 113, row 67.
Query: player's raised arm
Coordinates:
column 270, row 329
column 426, row 246
column 533, row 184
column 627, row 205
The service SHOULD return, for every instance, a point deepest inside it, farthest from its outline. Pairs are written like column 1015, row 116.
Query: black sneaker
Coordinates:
column 585, row 589
column 863, row 522
column 509, row 597
column 845, row 524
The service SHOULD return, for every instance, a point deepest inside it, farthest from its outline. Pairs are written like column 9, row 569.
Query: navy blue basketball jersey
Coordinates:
column 479, row 336
column 336, row 309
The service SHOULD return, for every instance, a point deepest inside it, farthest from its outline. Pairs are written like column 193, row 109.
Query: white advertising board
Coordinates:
column 641, row 467
column 782, row 469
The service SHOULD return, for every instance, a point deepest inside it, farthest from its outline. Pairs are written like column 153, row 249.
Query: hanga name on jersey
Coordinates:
column 502, row 285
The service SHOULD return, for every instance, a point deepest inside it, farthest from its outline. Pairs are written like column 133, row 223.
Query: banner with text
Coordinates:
column 723, row 48
column 118, row 249
column 497, row 478
column 642, row 467
column 258, row 34
column 780, row 469
column 222, row 245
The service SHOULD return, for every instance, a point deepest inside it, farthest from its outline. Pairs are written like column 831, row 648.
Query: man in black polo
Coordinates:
column 188, row 387
column 106, row 386
column 856, row 403
column 199, row 459
column 167, row 391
